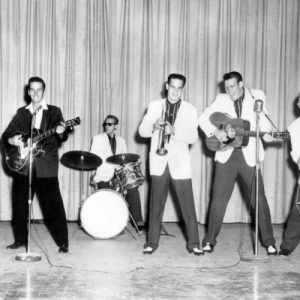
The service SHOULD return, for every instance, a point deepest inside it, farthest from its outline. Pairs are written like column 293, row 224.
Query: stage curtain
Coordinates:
column 102, row 57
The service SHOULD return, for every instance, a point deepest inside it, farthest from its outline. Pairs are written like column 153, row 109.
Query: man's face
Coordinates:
column 233, row 88
column 36, row 92
column 109, row 126
column 175, row 89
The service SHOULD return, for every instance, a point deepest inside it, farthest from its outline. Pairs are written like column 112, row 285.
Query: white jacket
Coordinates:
column 178, row 157
column 224, row 104
column 101, row 147
column 294, row 130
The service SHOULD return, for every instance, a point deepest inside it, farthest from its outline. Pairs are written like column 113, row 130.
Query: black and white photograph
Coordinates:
column 150, row 149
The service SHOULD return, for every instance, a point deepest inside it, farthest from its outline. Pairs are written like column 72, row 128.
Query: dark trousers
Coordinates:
column 133, row 199
column 292, row 232
column 159, row 193
column 225, row 177
column 51, row 203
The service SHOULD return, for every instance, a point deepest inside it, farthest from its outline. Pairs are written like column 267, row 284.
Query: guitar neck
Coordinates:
column 277, row 134
column 44, row 135
column 253, row 133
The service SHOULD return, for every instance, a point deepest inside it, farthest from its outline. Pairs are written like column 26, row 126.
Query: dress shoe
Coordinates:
column 141, row 227
column 285, row 252
column 196, row 251
column 63, row 249
column 148, row 250
column 271, row 250
column 16, row 245
column 209, row 248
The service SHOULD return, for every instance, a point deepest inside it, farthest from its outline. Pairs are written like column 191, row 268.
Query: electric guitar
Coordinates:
column 17, row 157
column 238, row 132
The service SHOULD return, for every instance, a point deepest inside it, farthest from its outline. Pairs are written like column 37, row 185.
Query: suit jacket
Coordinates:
column 178, row 157
column 101, row 147
column 47, row 165
column 224, row 104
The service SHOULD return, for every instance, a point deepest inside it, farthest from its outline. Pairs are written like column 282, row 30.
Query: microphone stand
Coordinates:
column 256, row 181
column 297, row 201
column 256, row 258
column 29, row 256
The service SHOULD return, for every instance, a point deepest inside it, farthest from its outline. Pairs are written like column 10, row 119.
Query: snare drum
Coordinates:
column 131, row 175
column 104, row 214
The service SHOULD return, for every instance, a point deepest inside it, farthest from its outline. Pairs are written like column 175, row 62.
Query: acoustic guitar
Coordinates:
column 17, row 157
column 238, row 132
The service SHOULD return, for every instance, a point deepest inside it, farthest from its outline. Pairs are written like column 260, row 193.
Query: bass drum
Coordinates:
column 104, row 214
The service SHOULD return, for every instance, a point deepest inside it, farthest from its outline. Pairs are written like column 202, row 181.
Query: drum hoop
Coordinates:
column 108, row 190
column 133, row 164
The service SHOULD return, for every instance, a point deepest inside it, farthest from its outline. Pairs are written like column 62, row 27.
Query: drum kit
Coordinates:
column 104, row 214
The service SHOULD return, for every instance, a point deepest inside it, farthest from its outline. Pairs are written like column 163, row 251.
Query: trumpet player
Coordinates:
column 171, row 123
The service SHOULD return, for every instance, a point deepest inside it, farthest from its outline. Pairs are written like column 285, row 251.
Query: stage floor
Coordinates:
column 117, row 269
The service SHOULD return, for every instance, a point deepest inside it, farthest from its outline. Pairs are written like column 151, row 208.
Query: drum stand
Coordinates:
column 165, row 232
column 82, row 161
column 123, row 192
column 81, row 189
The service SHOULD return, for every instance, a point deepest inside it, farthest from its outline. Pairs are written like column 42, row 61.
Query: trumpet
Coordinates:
column 161, row 150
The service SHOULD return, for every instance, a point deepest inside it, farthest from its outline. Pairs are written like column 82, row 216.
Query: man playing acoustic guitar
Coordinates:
column 239, row 161
column 45, row 169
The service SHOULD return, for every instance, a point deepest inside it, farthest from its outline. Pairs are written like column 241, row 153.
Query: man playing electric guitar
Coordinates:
column 45, row 183
column 231, row 162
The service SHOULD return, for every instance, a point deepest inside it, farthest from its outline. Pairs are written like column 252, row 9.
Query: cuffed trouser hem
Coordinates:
column 152, row 245
column 192, row 246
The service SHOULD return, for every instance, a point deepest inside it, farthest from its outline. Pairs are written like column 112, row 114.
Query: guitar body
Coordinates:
column 225, row 122
column 238, row 132
column 17, row 157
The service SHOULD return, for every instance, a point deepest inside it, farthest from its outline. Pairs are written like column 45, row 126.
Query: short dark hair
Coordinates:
column 36, row 79
column 233, row 74
column 177, row 76
column 116, row 120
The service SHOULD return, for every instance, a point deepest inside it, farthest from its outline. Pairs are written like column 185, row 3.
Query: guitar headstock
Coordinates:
column 281, row 135
column 73, row 122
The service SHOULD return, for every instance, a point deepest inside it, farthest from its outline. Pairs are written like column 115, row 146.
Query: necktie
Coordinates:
column 112, row 142
column 238, row 107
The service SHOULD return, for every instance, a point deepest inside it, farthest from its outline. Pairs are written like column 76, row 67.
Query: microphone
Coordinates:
column 258, row 106
column 37, row 110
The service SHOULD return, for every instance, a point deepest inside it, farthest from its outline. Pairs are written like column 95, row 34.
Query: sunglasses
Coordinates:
column 108, row 124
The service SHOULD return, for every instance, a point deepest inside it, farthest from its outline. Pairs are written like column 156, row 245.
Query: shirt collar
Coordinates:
column 111, row 137
column 241, row 98
column 43, row 103
column 174, row 104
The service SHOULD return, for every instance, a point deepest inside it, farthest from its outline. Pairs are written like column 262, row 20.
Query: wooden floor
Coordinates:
column 117, row 269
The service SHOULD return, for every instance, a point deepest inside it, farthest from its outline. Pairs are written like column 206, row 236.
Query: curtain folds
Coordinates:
column 102, row 57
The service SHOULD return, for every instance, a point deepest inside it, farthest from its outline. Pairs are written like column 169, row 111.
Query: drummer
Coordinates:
column 107, row 144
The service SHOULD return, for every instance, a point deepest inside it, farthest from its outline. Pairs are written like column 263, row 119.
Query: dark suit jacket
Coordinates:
column 47, row 165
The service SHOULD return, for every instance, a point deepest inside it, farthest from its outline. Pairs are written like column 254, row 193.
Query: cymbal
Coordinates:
column 122, row 159
column 81, row 160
